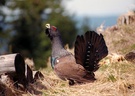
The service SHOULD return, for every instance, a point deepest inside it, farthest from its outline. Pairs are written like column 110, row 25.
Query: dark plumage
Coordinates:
column 89, row 50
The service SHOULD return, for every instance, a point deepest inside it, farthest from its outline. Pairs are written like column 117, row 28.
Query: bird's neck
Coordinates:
column 57, row 47
column 57, row 43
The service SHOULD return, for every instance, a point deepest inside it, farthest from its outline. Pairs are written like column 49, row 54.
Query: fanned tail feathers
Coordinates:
column 89, row 50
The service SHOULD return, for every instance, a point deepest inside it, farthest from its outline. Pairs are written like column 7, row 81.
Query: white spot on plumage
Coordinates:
column 57, row 61
column 87, row 59
column 86, row 66
column 88, row 51
column 95, row 62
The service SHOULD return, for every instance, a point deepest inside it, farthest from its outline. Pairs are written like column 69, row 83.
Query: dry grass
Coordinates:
column 113, row 79
column 120, row 40
column 116, row 79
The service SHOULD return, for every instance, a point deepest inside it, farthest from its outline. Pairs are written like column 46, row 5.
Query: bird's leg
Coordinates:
column 71, row 82
column 78, row 82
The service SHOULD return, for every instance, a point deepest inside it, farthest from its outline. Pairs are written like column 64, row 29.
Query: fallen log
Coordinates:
column 12, row 63
column 29, row 74
column 14, row 66
column 37, row 75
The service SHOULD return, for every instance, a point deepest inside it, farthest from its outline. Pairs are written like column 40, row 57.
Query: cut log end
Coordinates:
column 14, row 64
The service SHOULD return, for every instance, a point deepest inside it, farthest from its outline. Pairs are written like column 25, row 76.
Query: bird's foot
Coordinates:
column 71, row 82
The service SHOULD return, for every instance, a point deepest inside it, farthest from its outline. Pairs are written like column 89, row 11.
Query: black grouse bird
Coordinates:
column 89, row 50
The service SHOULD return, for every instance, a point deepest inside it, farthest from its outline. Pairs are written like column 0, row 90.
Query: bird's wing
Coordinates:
column 68, row 69
column 89, row 50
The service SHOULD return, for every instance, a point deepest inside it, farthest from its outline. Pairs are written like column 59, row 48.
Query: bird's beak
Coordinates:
column 47, row 26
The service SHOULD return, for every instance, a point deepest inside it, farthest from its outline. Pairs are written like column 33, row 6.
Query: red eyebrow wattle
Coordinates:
column 54, row 28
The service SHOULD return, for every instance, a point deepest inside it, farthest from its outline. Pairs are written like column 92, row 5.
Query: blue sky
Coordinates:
column 98, row 11
column 99, row 7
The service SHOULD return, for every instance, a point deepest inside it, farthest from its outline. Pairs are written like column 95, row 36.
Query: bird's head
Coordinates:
column 51, row 31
